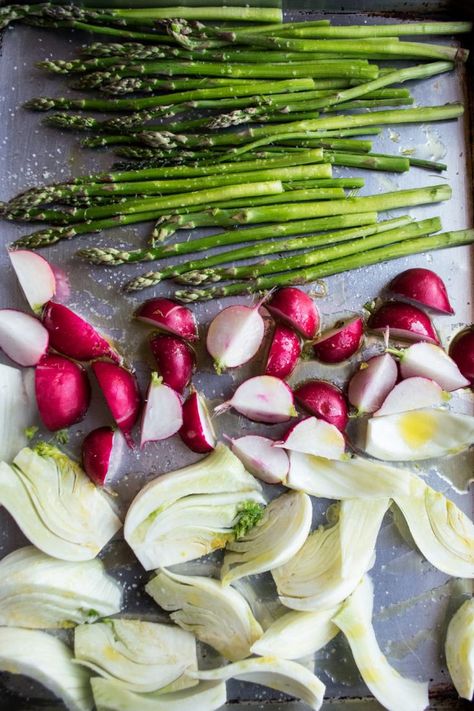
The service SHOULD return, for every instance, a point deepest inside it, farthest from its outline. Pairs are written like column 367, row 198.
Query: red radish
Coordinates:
column 461, row 351
column 175, row 360
column 74, row 337
column 316, row 437
column 163, row 412
column 430, row 361
column 63, row 285
column 340, row 342
column 36, row 277
column 261, row 458
column 197, row 431
column 262, row 399
column 423, row 286
column 22, row 337
column 369, row 387
column 325, row 401
column 284, row 352
column 169, row 316
column 404, row 321
column 412, row 394
column 296, row 309
column 101, row 450
column 62, row 391
column 235, row 335
column 120, row 389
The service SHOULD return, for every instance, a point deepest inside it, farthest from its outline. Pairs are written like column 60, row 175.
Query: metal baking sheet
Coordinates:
column 413, row 601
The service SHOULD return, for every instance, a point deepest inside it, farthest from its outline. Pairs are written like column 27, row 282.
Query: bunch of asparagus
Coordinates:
column 290, row 84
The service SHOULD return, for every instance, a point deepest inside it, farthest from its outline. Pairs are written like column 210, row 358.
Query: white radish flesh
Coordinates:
column 22, row 337
column 35, row 276
column 316, row 437
column 197, row 431
column 262, row 399
column 430, row 361
column 163, row 412
column 412, row 394
column 261, row 458
column 234, row 336
column 369, row 387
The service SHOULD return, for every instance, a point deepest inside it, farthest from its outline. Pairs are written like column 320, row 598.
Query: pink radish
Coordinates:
column 325, row 401
column 169, row 316
column 163, row 412
column 175, row 360
column 262, row 399
column 284, row 352
column 62, row 391
column 101, row 451
column 412, row 394
column 316, row 437
column 22, row 337
column 340, row 342
column 429, row 361
column 261, row 458
column 120, row 389
column 423, row 286
column 235, row 335
column 461, row 351
column 370, row 385
column 404, row 321
column 296, row 309
column 74, row 337
column 36, row 277
column 197, row 431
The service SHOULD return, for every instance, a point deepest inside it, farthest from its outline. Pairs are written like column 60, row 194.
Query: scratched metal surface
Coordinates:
column 413, row 600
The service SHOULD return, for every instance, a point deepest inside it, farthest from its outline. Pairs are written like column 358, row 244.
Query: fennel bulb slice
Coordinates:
column 273, row 541
column 188, row 513
column 296, row 634
column 38, row 591
column 18, row 409
column 139, row 656
column 111, row 696
column 56, row 505
column 460, row 649
column 418, row 434
column 355, row 477
column 218, row 616
column 280, row 674
column 442, row 532
column 318, row 577
column 393, row 691
column 47, row 660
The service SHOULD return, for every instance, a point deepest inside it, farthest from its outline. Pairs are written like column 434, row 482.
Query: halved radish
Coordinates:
column 175, row 360
column 163, row 412
column 296, row 309
column 423, row 286
column 62, row 391
column 340, row 342
column 404, row 321
column 36, row 277
column 72, row 336
column 120, row 389
column 461, row 351
column 235, row 335
column 370, row 385
column 22, row 337
column 261, row 458
column 197, row 431
column 101, row 452
column 284, row 352
column 262, row 399
column 430, row 361
column 313, row 436
column 168, row 316
column 412, row 394
column 324, row 400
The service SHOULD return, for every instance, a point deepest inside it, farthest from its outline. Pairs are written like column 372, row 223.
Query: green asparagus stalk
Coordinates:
column 121, row 32
column 217, row 13
column 362, row 31
column 396, row 164
column 354, row 261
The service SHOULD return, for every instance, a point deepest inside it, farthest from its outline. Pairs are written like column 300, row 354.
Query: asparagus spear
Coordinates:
column 303, row 29
column 396, row 164
column 354, row 261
